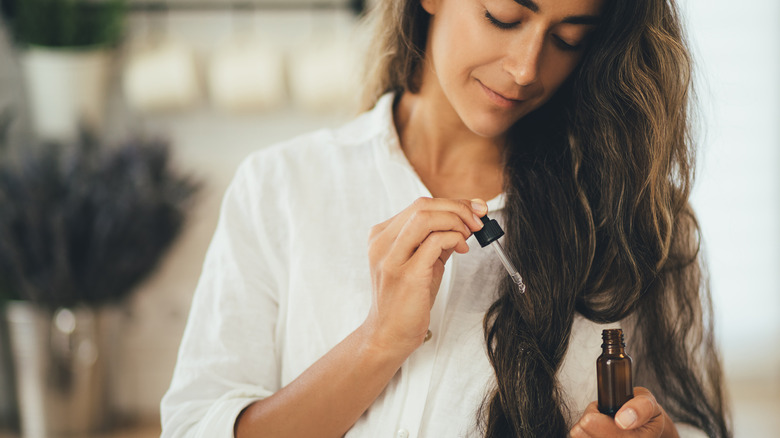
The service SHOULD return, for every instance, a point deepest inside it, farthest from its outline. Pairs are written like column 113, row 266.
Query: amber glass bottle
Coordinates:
column 613, row 370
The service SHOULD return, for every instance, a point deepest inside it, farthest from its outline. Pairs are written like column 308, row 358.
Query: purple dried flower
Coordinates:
column 84, row 223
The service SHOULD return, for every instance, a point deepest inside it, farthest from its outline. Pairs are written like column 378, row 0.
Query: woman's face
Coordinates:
column 494, row 61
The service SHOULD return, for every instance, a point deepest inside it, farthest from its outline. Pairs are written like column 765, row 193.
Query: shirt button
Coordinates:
column 428, row 337
column 402, row 433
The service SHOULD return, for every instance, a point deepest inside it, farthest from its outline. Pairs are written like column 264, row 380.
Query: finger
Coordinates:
column 445, row 255
column 578, row 432
column 593, row 423
column 436, row 247
column 377, row 229
column 639, row 410
column 461, row 207
column 479, row 207
column 383, row 236
column 593, row 407
column 421, row 225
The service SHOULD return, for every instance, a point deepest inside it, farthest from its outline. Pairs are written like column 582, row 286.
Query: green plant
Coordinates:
column 66, row 23
column 85, row 223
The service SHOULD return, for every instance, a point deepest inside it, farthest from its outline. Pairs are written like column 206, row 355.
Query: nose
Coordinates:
column 523, row 59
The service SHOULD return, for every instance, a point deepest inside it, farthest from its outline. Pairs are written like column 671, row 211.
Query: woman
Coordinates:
column 570, row 117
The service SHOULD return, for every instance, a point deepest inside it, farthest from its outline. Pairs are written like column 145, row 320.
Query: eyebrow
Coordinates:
column 573, row 19
column 528, row 4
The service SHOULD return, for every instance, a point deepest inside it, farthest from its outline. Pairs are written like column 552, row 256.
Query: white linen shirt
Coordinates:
column 286, row 278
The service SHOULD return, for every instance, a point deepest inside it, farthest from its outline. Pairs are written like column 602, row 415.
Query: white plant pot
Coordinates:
column 66, row 88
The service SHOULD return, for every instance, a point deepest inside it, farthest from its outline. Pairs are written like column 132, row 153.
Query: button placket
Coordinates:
column 420, row 364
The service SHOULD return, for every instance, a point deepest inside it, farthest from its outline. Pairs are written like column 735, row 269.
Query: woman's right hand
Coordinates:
column 407, row 254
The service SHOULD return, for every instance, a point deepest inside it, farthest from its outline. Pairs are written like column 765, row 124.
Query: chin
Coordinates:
column 489, row 126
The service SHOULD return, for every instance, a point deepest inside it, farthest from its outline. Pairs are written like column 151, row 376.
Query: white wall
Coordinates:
column 737, row 195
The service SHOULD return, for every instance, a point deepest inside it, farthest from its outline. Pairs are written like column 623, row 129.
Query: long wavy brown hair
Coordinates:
column 597, row 218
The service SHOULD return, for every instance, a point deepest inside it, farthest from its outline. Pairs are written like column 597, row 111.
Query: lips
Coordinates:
column 500, row 99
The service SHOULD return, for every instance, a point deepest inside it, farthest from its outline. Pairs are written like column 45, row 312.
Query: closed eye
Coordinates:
column 499, row 24
column 563, row 45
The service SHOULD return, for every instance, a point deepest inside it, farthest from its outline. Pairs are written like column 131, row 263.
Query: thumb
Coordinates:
column 638, row 411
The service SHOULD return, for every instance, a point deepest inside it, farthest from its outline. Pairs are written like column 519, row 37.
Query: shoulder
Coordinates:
column 319, row 153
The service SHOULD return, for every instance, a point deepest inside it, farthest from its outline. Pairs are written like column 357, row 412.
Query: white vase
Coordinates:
column 66, row 89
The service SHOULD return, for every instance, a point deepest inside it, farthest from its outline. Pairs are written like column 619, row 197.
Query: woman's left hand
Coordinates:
column 641, row 416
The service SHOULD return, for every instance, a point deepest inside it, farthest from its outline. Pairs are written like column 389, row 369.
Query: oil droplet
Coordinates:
column 519, row 282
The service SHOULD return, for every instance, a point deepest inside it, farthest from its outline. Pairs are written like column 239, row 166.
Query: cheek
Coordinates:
column 459, row 46
column 556, row 71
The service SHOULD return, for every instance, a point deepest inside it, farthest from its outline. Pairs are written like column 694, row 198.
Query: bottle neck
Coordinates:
column 613, row 349
column 613, row 341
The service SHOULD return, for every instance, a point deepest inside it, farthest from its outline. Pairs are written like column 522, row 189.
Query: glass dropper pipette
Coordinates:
column 489, row 235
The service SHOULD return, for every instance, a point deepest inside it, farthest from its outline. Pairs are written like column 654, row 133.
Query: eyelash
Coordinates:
column 563, row 45
column 499, row 24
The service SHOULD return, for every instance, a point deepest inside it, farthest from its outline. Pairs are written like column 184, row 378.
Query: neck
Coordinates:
column 450, row 159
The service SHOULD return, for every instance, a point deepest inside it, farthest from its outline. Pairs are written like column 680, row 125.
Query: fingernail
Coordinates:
column 478, row 205
column 479, row 221
column 625, row 418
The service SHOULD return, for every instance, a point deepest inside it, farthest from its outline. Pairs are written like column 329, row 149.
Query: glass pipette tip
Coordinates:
column 489, row 235
column 510, row 268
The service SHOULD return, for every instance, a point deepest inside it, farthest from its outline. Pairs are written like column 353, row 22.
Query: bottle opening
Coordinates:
column 612, row 337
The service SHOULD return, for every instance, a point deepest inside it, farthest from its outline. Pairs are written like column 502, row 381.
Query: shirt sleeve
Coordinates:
column 227, row 358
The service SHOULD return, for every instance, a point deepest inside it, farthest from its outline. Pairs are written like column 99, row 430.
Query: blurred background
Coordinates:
column 187, row 72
